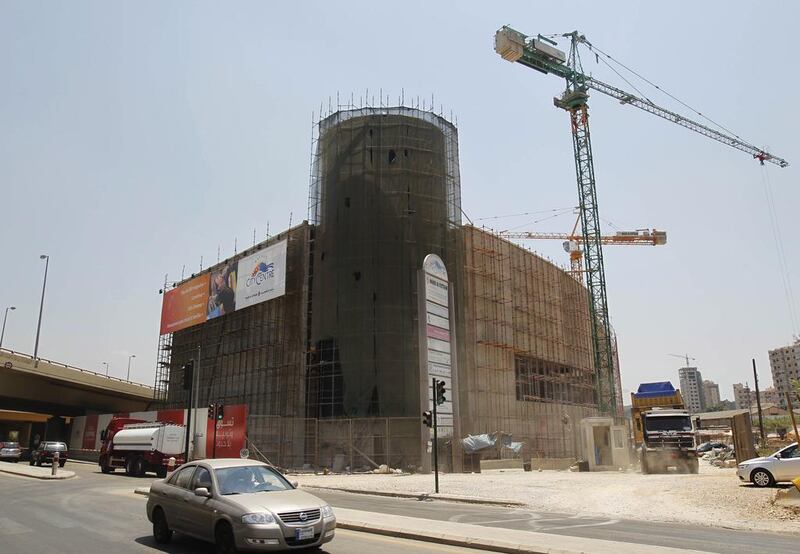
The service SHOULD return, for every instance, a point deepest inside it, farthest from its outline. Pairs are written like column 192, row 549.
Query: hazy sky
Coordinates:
column 137, row 137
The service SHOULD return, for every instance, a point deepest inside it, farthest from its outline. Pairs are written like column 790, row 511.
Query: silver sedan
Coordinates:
column 238, row 505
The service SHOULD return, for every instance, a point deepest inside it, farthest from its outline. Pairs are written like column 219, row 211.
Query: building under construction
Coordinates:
column 334, row 363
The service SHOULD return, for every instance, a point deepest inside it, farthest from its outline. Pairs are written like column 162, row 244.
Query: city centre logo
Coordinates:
column 260, row 273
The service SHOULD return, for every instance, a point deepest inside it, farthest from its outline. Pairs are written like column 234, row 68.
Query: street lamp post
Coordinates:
column 3, row 332
column 129, row 366
column 41, row 308
column 106, row 364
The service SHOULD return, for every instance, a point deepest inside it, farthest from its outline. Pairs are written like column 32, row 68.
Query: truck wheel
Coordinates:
column 104, row 467
column 645, row 467
column 129, row 466
column 161, row 472
column 762, row 478
column 694, row 466
column 139, row 466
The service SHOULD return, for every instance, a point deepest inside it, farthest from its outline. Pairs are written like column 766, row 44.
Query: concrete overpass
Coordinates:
column 61, row 390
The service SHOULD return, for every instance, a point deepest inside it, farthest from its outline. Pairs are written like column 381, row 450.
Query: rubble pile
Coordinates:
column 721, row 457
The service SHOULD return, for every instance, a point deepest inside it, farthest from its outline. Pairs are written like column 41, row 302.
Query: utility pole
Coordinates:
column 41, row 309
column 188, row 377
column 196, row 395
column 128, row 378
column 791, row 413
column 3, row 332
column 758, row 403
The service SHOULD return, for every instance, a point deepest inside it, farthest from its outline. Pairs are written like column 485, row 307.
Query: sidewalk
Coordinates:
column 423, row 496
column 487, row 538
column 33, row 471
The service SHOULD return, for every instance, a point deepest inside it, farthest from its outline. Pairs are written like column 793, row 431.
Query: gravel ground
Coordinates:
column 715, row 497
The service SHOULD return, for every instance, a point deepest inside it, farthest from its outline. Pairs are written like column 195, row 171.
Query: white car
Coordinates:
column 784, row 465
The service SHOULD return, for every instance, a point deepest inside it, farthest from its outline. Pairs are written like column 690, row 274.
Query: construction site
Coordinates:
column 331, row 332
column 331, row 370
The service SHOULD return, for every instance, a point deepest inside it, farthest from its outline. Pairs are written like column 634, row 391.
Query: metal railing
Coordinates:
column 67, row 366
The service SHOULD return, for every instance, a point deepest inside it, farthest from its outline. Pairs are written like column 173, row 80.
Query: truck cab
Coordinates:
column 662, row 428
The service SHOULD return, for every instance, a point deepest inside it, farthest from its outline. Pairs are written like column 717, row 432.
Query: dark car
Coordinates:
column 10, row 451
column 45, row 451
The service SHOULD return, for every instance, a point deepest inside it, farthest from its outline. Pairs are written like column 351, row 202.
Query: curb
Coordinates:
column 450, row 540
column 424, row 496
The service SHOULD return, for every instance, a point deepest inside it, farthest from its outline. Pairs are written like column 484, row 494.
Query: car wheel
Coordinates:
column 39, row 462
column 224, row 540
column 762, row 478
column 161, row 531
column 32, row 462
column 61, row 463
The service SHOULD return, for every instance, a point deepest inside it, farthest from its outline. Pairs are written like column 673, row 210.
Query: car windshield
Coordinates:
column 249, row 479
column 668, row 423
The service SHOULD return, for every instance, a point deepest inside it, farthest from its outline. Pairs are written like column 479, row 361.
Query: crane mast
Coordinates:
column 539, row 53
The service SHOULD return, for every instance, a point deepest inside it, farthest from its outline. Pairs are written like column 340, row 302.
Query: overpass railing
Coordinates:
column 87, row 371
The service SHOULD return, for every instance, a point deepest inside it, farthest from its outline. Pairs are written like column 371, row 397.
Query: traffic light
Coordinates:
column 220, row 412
column 427, row 419
column 440, row 390
column 188, row 374
column 212, row 411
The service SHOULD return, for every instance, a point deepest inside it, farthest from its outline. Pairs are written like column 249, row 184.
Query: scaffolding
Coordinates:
column 384, row 192
column 252, row 356
column 527, row 367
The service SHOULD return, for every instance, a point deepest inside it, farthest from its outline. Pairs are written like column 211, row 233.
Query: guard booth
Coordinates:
column 605, row 443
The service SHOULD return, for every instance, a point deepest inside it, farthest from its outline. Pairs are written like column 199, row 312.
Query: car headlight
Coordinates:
column 260, row 518
column 327, row 511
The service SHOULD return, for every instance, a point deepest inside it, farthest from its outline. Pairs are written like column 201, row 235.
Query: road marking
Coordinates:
column 597, row 524
column 11, row 527
column 493, row 521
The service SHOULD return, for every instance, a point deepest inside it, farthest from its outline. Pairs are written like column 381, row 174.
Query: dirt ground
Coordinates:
column 713, row 497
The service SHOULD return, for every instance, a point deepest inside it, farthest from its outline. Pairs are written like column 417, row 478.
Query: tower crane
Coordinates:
column 572, row 242
column 540, row 53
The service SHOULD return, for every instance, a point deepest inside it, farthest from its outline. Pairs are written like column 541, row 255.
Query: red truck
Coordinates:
column 140, row 446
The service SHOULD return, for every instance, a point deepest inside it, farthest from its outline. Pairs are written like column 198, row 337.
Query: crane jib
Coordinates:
column 517, row 47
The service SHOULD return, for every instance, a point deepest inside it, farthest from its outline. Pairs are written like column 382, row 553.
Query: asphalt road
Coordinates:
column 97, row 513
column 708, row 539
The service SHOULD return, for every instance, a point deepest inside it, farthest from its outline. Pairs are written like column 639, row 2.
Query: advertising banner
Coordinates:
column 90, row 432
column 262, row 276
column 221, row 290
column 174, row 415
column 185, row 305
column 231, row 432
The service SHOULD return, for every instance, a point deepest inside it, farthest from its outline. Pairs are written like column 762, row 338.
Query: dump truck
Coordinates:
column 139, row 446
column 662, row 429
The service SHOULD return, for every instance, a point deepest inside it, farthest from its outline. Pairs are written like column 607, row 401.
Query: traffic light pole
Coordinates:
column 435, row 442
column 216, row 424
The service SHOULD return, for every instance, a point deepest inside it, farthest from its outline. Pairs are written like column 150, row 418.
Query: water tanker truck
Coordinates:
column 662, row 429
column 138, row 446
